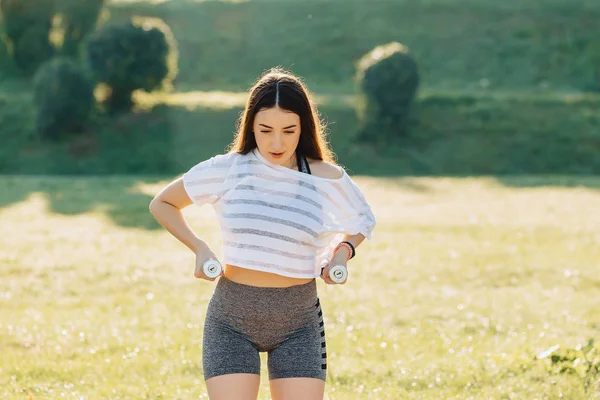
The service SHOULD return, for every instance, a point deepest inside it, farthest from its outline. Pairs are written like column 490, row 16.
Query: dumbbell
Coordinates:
column 212, row 268
column 338, row 273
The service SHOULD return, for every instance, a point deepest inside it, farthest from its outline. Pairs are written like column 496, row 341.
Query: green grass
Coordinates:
column 465, row 282
column 457, row 133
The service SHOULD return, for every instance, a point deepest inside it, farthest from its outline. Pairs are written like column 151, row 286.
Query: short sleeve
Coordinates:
column 347, row 213
column 351, row 214
column 205, row 181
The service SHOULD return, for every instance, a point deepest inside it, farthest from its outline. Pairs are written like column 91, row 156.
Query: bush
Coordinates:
column 63, row 98
column 388, row 79
column 27, row 25
column 138, row 54
column 33, row 36
column 79, row 18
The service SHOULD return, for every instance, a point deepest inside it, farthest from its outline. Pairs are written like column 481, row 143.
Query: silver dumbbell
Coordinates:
column 212, row 268
column 338, row 273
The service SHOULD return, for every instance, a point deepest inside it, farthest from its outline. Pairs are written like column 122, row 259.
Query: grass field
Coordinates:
column 466, row 281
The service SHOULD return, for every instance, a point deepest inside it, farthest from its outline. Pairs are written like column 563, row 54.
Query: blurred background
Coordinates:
column 473, row 127
column 466, row 86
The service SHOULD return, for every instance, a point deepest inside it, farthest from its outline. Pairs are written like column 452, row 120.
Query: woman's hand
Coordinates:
column 204, row 253
column 339, row 258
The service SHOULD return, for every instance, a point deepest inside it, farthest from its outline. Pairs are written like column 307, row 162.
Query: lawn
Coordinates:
column 466, row 280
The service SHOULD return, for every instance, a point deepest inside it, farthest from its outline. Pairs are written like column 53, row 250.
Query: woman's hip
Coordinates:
column 265, row 312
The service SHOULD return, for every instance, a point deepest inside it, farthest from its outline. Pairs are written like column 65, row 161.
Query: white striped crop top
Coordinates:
column 277, row 219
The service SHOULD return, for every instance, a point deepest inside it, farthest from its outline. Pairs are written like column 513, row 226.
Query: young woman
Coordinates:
column 287, row 214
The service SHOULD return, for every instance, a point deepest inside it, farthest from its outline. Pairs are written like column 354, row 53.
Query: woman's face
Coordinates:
column 277, row 132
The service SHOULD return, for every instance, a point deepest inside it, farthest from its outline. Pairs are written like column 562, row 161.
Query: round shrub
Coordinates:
column 27, row 25
column 140, row 54
column 388, row 79
column 63, row 98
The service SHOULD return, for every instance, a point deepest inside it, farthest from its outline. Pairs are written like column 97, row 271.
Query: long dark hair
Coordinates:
column 277, row 87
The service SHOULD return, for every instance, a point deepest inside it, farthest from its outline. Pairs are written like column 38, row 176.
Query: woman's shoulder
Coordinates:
column 324, row 169
column 217, row 162
column 230, row 156
column 226, row 159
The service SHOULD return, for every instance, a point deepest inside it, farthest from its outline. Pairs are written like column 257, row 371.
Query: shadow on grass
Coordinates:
column 119, row 198
column 557, row 181
column 453, row 136
column 103, row 170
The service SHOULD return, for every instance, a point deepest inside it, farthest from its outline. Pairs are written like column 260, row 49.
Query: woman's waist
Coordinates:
column 257, row 278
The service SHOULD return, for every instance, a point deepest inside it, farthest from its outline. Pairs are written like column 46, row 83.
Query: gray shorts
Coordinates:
column 243, row 320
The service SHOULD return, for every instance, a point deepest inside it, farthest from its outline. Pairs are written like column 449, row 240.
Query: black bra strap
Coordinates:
column 307, row 166
column 302, row 164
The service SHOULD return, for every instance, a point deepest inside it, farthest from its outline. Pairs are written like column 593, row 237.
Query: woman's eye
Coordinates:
column 289, row 132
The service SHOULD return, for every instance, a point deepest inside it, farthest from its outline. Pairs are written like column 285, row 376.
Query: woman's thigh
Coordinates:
column 233, row 386
column 297, row 389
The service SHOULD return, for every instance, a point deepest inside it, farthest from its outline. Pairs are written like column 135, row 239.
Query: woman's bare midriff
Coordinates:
column 260, row 278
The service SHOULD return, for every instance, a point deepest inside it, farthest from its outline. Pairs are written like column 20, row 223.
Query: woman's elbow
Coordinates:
column 173, row 195
column 156, row 203
column 153, row 204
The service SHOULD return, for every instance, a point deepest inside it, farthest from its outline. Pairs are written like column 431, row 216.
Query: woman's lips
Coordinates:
column 276, row 155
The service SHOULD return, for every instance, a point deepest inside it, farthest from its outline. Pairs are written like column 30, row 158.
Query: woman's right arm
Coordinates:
column 166, row 208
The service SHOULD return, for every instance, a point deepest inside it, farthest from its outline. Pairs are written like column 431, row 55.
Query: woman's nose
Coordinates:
column 277, row 141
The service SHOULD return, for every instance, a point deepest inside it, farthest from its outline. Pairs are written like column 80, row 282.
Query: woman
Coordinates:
column 287, row 214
